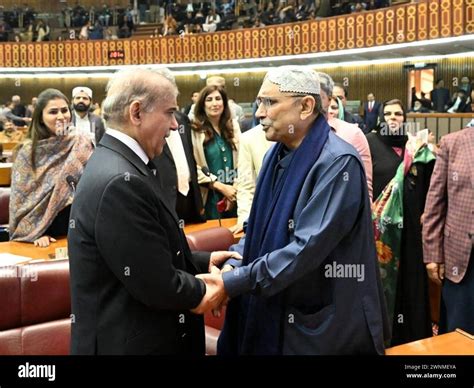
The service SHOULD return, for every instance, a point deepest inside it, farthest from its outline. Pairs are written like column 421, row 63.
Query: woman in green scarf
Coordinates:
column 402, row 167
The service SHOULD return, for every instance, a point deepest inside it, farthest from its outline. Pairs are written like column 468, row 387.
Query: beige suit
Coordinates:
column 200, row 157
column 253, row 146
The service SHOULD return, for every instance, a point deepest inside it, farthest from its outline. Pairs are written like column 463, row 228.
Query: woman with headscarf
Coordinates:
column 402, row 167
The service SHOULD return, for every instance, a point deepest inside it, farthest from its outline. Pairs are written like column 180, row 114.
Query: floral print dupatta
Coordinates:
column 387, row 216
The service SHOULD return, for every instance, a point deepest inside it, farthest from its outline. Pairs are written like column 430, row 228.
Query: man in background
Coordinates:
column 177, row 173
column 440, row 97
column 371, row 112
column 340, row 91
column 82, row 118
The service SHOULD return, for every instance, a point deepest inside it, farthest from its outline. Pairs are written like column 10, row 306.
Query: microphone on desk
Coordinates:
column 207, row 173
column 71, row 181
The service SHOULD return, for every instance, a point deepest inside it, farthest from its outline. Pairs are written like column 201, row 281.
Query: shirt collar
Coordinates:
column 130, row 143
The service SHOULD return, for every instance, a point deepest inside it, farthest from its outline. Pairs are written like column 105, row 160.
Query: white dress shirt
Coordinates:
column 182, row 168
column 130, row 143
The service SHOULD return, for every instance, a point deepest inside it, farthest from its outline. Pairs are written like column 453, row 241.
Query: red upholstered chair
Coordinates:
column 213, row 239
column 36, row 306
column 4, row 213
column 4, row 205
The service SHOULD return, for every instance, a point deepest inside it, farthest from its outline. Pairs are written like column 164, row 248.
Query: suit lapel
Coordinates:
column 119, row 147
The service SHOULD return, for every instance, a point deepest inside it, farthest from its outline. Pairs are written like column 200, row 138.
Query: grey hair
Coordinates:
column 127, row 86
column 319, row 104
column 326, row 82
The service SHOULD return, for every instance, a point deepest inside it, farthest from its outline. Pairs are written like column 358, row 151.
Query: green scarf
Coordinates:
column 387, row 216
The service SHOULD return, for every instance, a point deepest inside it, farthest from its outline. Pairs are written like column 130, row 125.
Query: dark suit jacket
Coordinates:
column 353, row 119
column 370, row 117
column 440, row 99
column 132, row 273
column 168, row 178
column 19, row 110
column 97, row 125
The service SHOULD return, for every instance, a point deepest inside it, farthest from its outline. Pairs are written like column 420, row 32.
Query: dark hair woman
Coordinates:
column 215, row 141
column 402, row 167
column 49, row 159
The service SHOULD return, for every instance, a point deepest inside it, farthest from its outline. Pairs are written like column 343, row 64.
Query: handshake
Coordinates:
column 215, row 297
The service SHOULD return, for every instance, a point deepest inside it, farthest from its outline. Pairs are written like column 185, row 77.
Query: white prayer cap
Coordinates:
column 82, row 89
column 295, row 79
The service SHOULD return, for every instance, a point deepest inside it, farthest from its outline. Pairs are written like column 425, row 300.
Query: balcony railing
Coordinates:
column 425, row 20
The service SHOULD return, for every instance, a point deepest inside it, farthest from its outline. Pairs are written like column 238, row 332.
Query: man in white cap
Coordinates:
column 83, row 119
column 309, row 280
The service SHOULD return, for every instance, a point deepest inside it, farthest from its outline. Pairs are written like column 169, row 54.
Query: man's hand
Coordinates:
column 435, row 272
column 215, row 295
column 219, row 257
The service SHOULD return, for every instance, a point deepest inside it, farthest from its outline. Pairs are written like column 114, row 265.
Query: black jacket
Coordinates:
column 132, row 273
column 167, row 176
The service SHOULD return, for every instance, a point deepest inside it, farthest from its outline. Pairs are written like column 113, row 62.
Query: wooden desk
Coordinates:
column 5, row 174
column 225, row 222
column 9, row 145
column 29, row 250
column 453, row 343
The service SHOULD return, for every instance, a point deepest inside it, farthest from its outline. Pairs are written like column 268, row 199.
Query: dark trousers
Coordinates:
column 457, row 302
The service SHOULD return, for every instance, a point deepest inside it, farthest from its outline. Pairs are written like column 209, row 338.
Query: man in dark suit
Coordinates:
column 132, row 273
column 340, row 91
column 18, row 109
column 179, row 150
column 82, row 118
column 194, row 98
column 440, row 97
column 371, row 112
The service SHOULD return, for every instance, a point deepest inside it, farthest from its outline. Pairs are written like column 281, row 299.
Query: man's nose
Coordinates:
column 260, row 112
column 174, row 124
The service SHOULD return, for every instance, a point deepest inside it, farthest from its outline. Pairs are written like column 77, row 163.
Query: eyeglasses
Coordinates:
column 268, row 102
column 398, row 114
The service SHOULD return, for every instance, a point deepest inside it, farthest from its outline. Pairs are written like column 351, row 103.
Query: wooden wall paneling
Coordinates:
column 384, row 80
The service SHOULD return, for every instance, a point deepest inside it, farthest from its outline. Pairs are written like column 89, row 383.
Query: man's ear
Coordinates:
column 134, row 112
column 308, row 107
